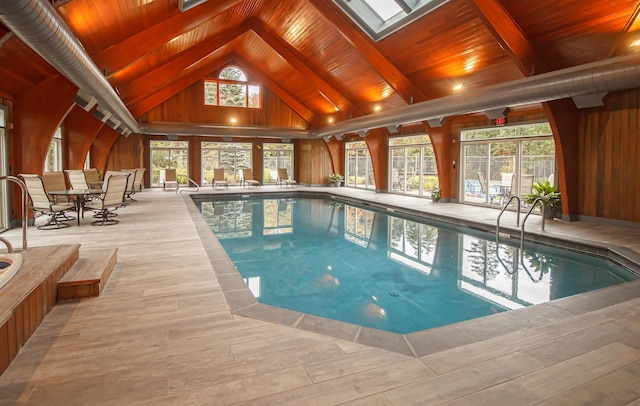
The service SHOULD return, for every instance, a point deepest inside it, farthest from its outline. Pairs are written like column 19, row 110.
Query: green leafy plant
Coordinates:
column 545, row 191
column 436, row 193
column 336, row 177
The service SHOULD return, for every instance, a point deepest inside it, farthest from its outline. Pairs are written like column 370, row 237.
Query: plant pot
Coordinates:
column 336, row 183
column 550, row 212
column 435, row 198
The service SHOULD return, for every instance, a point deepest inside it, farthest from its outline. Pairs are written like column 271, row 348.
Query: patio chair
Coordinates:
column 107, row 175
column 54, row 181
column 526, row 184
column 138, row 182
column 92, row 177
column 493, row 195
column 43, row 204
column 77, row 179
column 110, row 200
column 283, row 178
column 247, row 178
column 219, row 179
column 131, row 187
column 170, row 179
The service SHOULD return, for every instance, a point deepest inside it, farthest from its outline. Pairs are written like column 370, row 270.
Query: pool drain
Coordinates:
column 394, row 294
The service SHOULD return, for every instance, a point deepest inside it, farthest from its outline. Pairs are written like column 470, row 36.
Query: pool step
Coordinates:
column 88, row 275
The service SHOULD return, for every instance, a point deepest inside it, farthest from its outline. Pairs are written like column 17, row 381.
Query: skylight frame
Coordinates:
column 375, row 26
column 185, row 5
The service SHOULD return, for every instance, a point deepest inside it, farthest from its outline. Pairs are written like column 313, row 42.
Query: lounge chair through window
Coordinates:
column 283, row 178
column 219, row 178
column 247, row 178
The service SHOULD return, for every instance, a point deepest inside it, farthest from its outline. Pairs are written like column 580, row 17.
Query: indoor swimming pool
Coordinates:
column 378, row 269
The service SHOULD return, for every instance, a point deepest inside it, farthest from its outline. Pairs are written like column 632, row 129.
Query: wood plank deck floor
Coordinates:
column 162, row 333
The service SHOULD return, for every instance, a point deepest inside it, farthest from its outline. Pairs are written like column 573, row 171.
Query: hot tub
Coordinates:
column 9, row 266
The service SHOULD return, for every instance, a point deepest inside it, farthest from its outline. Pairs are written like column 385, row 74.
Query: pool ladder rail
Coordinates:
column 25, row 211
column 522, row 232
column 189, row 183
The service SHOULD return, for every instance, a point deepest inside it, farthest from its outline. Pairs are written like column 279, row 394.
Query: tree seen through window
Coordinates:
column 231, row 89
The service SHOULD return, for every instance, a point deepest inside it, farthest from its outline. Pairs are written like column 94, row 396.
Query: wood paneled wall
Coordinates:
column 127, row 153
column 608, row 158
column 313, row 162
column 188, row 107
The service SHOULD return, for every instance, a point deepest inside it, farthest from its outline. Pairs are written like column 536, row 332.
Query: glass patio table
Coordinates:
column 80, row 196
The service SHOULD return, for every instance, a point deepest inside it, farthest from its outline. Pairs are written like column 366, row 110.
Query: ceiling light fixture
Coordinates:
column 458, row 87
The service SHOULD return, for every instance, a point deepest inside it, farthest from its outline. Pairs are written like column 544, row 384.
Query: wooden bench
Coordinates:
column 88, row 275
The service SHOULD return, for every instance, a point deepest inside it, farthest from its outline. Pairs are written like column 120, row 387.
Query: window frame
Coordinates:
column 246, row 84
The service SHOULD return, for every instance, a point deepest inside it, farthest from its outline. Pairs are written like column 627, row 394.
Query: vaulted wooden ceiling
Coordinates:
column 317, row 60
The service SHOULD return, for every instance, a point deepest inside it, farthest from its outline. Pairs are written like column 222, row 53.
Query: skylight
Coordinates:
column 379, row 18
column 384, row 8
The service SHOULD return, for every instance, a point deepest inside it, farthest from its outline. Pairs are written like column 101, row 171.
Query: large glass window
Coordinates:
column 4, row 170
column 231, row 89
column 233, row 157
column 169, row 154
column 413, row 165
column 359, row 171
column 53, row 160
column 277, row 156
column 500, row 162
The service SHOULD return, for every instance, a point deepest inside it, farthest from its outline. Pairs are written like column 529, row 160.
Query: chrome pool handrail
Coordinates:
column 25, row 209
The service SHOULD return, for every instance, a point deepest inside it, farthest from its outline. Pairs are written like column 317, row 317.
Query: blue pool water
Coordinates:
column 398, row 274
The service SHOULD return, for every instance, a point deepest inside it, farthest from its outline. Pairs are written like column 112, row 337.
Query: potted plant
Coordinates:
column 548, row 194
column 336, row 179
column 435, row 193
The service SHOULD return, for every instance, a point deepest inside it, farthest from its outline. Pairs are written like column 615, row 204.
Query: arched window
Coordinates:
column 231, row 89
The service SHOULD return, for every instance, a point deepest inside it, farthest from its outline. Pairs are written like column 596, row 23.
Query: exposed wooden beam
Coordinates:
column 137, row 46
column 631, row 25
column 509, row 35
column 101, row 147
column 12, row 82
column 159, row 77
column 79, row 130
column 277, row 90
column 147, row 101
column 297, row 62
column 364, row 45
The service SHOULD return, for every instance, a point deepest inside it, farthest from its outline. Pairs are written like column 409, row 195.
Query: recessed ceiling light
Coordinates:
column 377, row 107
column 458, row 87
column 330, row 120
column 233, row 120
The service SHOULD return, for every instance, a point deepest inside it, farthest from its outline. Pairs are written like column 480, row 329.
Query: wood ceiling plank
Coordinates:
column 297, row 62
column 147, row 101
column 137, row 46
column 623, row 38
column 164, row 74
column 12, row 82
column 391, row 74
column 510, row 36
column 277, row 90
